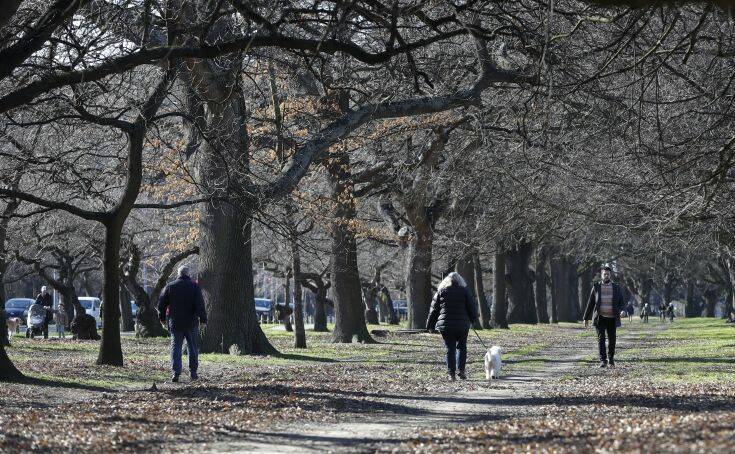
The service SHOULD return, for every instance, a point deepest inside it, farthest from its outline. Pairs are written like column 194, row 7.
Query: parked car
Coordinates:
column 18, row 307
column 401, row 307
column 263, row 306
column 92, row 306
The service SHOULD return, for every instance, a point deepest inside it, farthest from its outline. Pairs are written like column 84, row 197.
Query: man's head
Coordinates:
column 606, row 274
column 44, row 290
column 183, row 271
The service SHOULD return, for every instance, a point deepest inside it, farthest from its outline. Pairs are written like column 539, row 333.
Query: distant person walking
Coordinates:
column 62, row 319
column 629, row 311
column 181, row 306
column 645, row 312
column 670, row 312
column 603, row 307
column 47, row 301
column 452, row 313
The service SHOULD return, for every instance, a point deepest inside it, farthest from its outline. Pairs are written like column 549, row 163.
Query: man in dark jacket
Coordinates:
column 47, row 301
column 603, row 308
column 452, row 312
column 181, row 305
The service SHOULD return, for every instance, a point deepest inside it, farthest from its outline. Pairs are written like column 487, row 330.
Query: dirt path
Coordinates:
column 408, row 415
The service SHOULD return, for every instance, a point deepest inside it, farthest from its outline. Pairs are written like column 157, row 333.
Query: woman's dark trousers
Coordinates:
column 606, row 325
column 456, row 343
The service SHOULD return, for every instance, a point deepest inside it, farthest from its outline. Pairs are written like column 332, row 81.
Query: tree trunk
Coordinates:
column 148, row 323
column 561, row 294
column 222, row 161
column 668, row 290
column 480, row 292
column 320, row 310
column 576, row 313
column 298, row 308
column 226, row 279
column 127, row 323
column 521, row 303
column 691, row 309
column 110, row 353
column 370, row 293
column 710, row 298
column 730, row 303
column 392, row 316
column 585, row 288
column 286, row 312
column 542, row 301
column 418, row 276
column 465, row 266
column 500, row 302
column 8, row 371
column 4, row 339
column 348, row 306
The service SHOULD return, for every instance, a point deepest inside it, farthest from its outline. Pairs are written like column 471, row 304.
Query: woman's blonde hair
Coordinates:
column 452, row 278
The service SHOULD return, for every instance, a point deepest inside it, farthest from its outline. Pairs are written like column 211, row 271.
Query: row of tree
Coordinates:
column 361, row 144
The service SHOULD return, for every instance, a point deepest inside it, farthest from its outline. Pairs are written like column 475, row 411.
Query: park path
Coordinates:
column 413, row 414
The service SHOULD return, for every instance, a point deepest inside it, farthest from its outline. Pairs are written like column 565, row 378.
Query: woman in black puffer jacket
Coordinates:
column 453, row 311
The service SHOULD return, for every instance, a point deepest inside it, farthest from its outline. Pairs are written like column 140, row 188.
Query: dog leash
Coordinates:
column 479, row 338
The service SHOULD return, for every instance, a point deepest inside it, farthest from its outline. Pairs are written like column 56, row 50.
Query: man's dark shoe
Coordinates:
column 611, row 362
column 175, row 378
column 462, row 375
column 603, row 363
column 194, row 376
column 452, row 377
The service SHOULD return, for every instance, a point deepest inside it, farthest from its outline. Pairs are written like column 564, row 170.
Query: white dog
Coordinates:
column 13, row 325
column 493, row 363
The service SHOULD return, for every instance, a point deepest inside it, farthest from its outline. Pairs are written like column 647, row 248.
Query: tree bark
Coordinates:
column 710, row 298
column 574, row 291
column 500, row 302
column 127, row 323
column 465, row 266
column 298, row 308
column 391, row 315
column 691, row 309
column 225, row 271
column 561, row 295
column 226, row 279
column 585, row 288
column 348, row 306
column 730, row 304
column 480, row 292
column 319, row 288
column 542, row 300
column 521, row 302
column 418, row 276
column 111, row 348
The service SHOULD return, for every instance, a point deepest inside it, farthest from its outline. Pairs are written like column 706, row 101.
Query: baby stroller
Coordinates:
column 36, row 318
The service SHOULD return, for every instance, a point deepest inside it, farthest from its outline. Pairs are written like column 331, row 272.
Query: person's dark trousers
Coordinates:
column 177, row 341
column 606, row 326
column 455, row 341
column 45, row 329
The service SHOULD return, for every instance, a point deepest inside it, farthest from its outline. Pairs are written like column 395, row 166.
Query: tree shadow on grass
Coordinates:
column 680, row 403
column 687, row 359
column 51, row 383
column 297, row 357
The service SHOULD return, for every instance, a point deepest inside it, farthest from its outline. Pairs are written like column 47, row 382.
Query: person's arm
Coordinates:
column 470, row 305
column 433, row 312
column 163, row 302
column 201, row 310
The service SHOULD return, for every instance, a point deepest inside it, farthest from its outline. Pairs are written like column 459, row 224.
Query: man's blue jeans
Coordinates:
column 177, row 341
